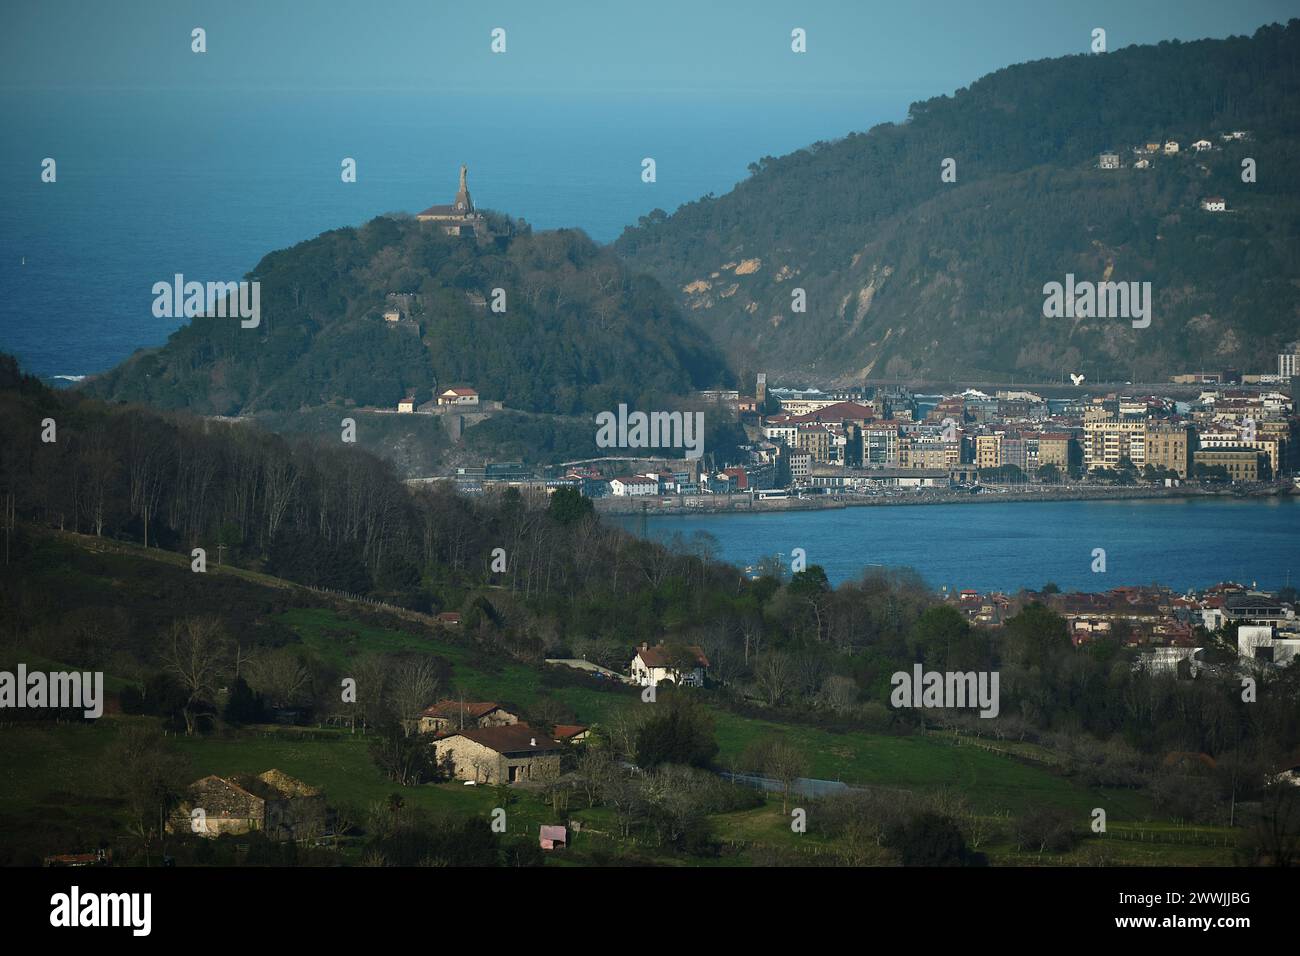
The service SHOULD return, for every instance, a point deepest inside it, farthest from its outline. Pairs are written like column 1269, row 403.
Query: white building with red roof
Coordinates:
column 681, row 664
column 461, row 395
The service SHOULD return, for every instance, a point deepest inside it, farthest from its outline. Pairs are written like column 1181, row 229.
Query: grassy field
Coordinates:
column 58, row 788
column 992, row 782
column 57, row 784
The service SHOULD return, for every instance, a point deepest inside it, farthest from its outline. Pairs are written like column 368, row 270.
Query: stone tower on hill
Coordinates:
column 463, row 203
column 460, row 218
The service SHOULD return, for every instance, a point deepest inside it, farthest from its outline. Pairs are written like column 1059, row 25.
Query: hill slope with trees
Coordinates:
column 579, row 333
column 908, row 276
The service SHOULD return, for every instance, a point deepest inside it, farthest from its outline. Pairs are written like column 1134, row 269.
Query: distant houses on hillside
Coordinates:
column 1111, row 160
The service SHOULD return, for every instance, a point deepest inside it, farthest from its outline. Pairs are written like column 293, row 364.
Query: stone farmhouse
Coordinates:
column 510, row 753
column 447, row 716
column 274, row 803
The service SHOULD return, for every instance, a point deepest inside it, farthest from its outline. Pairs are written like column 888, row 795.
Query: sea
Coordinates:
column 1181, row 543
column 153, row 183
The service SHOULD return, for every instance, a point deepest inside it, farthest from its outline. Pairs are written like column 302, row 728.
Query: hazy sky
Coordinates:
column 907, row 49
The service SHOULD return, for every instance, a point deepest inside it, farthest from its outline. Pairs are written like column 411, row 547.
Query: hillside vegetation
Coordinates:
column 907, row 276
column 578, row 334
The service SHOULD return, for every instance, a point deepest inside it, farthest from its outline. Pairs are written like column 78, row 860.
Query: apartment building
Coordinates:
column 1107, row 442
column 928, row 451
column 1271, row 445
column 1054, row 449
column 1170, row 446
column 988, row 450
column 1288, row 360
column 815, row 440
column 880, row 445
column 1241, row 464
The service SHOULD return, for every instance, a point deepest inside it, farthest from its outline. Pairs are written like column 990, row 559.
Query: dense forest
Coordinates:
column 578, row 333
column 907, row 275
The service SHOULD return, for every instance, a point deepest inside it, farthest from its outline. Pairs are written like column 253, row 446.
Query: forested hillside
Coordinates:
column 578, row 333
column 910, row 276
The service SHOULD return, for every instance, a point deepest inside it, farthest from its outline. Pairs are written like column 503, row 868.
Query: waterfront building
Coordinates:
column 1170, row 446
column 1241, row 464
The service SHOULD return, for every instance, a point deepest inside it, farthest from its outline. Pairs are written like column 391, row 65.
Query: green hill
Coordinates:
column 578, row 334
column 908, row 276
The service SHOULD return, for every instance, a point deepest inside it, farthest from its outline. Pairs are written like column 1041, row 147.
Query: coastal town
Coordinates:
column 1213, row 432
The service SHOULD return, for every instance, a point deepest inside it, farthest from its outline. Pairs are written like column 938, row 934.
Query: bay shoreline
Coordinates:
column 661, row 506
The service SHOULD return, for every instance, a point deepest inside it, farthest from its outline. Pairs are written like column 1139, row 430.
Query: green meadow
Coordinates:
column 58, row 790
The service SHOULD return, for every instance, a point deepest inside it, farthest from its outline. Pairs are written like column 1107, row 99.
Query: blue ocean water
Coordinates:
column 1182, row 543
column 154, row 183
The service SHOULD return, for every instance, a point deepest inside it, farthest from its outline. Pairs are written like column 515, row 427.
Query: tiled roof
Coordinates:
column 657, row 655
column 454, row 708
column 510, row 739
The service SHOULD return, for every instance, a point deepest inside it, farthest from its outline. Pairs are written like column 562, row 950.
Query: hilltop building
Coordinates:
column 461, row 395
column 460, row 218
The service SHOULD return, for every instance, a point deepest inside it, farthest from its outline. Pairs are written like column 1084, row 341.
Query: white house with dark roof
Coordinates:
column 684, row 665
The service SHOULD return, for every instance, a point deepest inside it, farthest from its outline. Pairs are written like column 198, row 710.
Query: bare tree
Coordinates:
column 775, row 674
column 626, row 794
column 281, row 677
column 149, row 777
column 486, row 765
column 415, row 684
column 623, row 726
column 372, row 680
column 196, row 654
column 555, row 788
column 785, row 764
column 839, row 693
column 146, row 468
column 595, row 768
